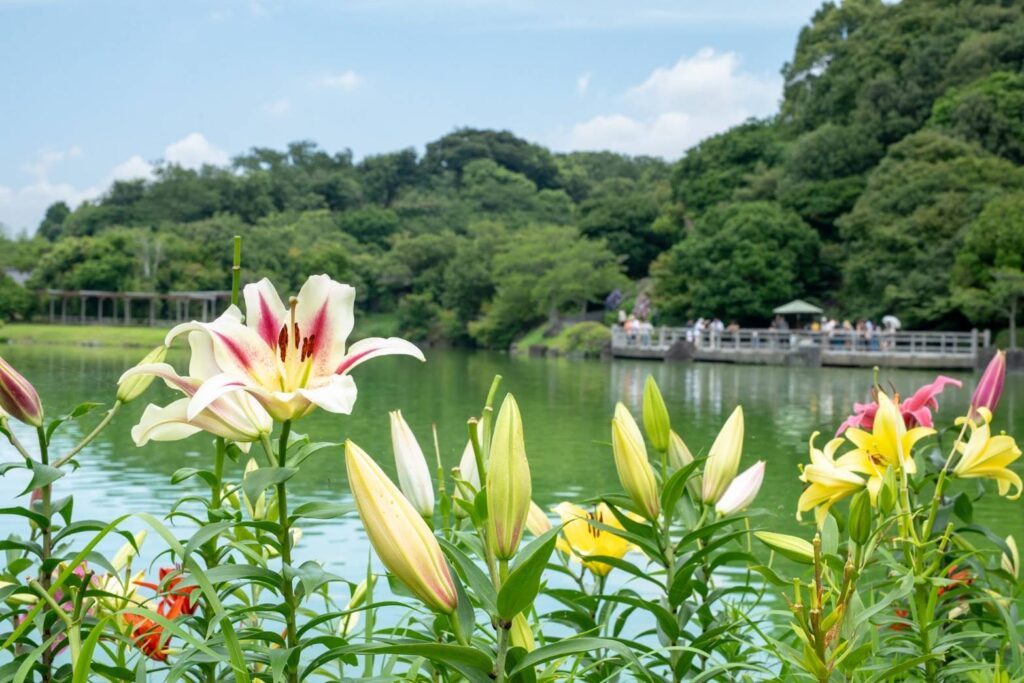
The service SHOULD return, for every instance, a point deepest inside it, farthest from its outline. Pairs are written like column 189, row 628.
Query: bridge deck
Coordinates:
column 799, row 347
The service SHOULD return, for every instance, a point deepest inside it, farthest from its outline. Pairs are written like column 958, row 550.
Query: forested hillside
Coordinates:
column 890, row 181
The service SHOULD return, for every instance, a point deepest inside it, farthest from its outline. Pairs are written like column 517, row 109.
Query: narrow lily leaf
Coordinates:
column 469, row 661
column 523, row 583
column 316, row 510
column 571, row 646
column 79, row 410
column 478, row 581
column 84, row 663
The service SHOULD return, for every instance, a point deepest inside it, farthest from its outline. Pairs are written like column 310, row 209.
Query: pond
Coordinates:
column 566, row 407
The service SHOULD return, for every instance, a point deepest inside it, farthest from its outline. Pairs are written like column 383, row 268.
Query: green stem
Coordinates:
column 47, row 551
column 236, row 270
column 504, row 629
column 14, row 441
column 91, row 435
column 284, row 538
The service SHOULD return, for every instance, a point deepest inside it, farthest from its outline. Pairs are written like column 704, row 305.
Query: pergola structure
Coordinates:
column 162, row 307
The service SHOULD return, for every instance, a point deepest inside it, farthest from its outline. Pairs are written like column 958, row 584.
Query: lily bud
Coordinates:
column 860, row 517
column 631, row 462
column 1011, row 563
column 537, row 523
column 656, row 422
column 349, row 622
column 508, row 482
column 468, row 470
column 398, row 534
column 792, row 547
column 990, row 387
column 18, row 398
column 888, row 491
column 413, row 473
column 679, row 456
column 742, row 490
column 724, row 457
column 124, row 556
column 131, row 388
column 521, row 633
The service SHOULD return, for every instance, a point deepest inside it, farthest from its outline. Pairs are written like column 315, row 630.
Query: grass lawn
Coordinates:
column 376, row 325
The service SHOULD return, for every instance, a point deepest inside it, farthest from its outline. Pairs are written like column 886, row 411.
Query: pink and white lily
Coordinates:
column 237, row 417
column 291, row 359
column 916, row 410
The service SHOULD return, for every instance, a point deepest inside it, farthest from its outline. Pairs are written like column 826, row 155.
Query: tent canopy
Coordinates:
column 798, row 307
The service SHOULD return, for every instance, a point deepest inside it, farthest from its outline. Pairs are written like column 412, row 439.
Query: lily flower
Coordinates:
column 237, row 417
column 581, row 538
column 916, row 410
column 508, row 482
column 989, row 457
column 18, row 398
column 131, row 389
column 990, row 387
column 291, row 359
column 403, row 541
column 829, row 483
column 742, row 490
column 888, row 444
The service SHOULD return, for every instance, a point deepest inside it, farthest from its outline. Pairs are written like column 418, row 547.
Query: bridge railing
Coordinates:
column 835, row 341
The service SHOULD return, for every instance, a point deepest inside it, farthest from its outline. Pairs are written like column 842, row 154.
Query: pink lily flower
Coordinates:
column 18, row 398
column 290, row 359
column 916, row 410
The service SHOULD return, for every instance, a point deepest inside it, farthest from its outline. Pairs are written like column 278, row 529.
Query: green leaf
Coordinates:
column 80, row 410
column 41, row 476
column 464, row 608
column 469, row 661
column 297, row 457
column 964, row 508
column 523, row 583
column 257, row 481
column 316, row 510
column 83, row 665
column 40, row 520
column 478, row 581
column 184, row 473
column 829, row 536
column 571, row 646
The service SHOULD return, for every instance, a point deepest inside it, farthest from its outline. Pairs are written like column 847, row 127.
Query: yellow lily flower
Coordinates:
column 888, row 444
column 581, row 539
column 829, row 482
column 987, row 456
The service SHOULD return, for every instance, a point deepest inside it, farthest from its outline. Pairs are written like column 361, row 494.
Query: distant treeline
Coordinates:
column 890, row 181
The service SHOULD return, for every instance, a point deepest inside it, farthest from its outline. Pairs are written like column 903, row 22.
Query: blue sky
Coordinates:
column 99, row 90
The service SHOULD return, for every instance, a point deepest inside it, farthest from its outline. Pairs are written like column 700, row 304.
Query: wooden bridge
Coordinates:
column 805, row 348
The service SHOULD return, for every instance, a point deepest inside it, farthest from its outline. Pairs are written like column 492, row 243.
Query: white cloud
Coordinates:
column 678, row 106
column 278, row 107
column 583, row 83
column 24, row 206
column 347, row 80
column 194, row 151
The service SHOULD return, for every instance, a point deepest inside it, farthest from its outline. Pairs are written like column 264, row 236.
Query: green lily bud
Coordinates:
column 888, row 492
column 792, row 547
column 631, row 462
column 131, row 388
column 509, row 490
column 860, row 518
column 656, row 421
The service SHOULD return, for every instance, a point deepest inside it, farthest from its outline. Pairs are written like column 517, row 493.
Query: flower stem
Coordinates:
column 91, row 435
column 504, row 629
column 47, row 533
column 285, row 540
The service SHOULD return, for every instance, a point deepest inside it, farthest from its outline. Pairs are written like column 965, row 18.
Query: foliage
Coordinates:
column 741, row 258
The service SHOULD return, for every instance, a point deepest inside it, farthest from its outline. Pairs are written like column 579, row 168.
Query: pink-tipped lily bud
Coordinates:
column 509, row 488
column 413, row 473
column 398, row 534
column 18, row 398
column 635, row 473
column 742, row 490
column 990, row 388
column 133, row 387
column 537, row 522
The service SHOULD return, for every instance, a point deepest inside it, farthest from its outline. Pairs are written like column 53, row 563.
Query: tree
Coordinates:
column 544, row 271
column 623, row 213
column 989, row 273
column 989, row 111
column 904, row 232
column 741, row 261
column 453, row 152
column 52, row 226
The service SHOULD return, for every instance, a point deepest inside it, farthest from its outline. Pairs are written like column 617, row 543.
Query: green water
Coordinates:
column 566, row 407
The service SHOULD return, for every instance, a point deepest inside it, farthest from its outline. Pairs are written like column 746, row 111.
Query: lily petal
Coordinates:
column 265, row 313
column 324, row 313
column 373, row 347
column 338, row 395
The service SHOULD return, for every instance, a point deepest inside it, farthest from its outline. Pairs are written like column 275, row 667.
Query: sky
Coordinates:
column 92, row 91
